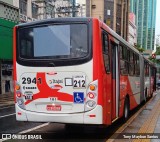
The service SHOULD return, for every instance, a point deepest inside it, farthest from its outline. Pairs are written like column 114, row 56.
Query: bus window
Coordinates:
column 125, row 53
column 146, row 69
column 26, row 48
column 131, row 63
column 137, row 65
column 106, row 56
column 51, row 42
column 123, row 61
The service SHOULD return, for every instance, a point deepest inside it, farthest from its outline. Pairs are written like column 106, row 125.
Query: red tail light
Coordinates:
column 19, row 94
column 91, row 95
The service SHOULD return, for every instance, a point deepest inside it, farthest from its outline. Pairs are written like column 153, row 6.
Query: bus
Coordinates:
column 77, row 71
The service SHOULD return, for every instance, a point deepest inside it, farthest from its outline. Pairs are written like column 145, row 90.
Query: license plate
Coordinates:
column 53, row 107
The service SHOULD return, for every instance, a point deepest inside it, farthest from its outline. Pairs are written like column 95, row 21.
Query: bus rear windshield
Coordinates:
column 53, row 42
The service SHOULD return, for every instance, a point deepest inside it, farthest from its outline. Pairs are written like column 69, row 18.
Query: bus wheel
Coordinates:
column 126, row 109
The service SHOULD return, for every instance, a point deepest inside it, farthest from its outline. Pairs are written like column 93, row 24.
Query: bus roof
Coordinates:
column 119, row 38
column 56, row 20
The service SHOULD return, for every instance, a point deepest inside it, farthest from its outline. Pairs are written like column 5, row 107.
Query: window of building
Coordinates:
column 34, row 10
column 23, row 6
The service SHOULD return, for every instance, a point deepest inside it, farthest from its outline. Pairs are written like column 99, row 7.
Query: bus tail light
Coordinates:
column 19, row 96
column 20, row 102
column 92, row 87
column 91, row 104
column 17, row 87
column 92, row 95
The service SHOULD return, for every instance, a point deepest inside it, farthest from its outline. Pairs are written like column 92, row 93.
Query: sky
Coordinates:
column 158, row 18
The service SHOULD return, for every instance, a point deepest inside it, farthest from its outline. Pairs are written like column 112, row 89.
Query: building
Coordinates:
column 31, row 10
column 145, row 11
column 82, row 11
column 9, row 17
column 14, row 11
column 115, row 13
column 132, row 33
column 158, row 40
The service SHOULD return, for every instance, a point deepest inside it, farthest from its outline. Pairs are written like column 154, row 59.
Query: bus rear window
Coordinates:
column 53, row 42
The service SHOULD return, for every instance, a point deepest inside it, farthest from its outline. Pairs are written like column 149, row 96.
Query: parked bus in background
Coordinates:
column 77, row 70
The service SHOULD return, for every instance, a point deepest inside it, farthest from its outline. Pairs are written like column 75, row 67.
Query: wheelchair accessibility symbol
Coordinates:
column 78, row 97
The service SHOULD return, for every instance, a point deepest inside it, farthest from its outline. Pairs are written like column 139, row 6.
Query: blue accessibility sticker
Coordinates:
column 78, row 97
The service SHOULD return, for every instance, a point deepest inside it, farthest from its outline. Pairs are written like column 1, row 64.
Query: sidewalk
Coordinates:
column 6, row 99
column 143, row 126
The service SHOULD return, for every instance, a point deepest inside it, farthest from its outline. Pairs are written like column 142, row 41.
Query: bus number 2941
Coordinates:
column 28, row 80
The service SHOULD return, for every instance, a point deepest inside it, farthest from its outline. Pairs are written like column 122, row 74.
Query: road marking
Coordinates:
column 34, row 128
column 7, row 115
column 7, row 107
column 124, row 126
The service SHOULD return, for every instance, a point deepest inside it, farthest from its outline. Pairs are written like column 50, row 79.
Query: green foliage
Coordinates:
column 157, row 61
column 158, row 50
column 153, row 60
column 139, row 48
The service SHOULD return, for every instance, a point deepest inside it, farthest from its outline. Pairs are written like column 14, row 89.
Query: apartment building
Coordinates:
column 132, row 32
column 9, row 17
column 115, row 13
column 31, row 10
column 145, row 11
column 82, row 10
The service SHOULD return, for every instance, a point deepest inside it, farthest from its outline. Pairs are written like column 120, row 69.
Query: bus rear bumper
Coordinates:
column 91, row 117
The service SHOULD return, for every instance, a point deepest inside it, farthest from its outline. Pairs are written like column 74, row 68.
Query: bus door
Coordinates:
column 115, row 79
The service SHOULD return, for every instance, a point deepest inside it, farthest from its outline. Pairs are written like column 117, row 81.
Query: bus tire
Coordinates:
column 126, row 109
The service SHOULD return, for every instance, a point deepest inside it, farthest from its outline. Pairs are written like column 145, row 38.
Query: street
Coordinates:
column 8, row 123
column 55, row 131
column 67, row 133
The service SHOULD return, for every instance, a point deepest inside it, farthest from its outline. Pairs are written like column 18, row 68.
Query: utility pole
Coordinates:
column 73, row 8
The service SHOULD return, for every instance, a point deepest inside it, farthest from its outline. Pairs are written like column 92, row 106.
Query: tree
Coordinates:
column 158, row 50
column 139, row 48
column 156, row 53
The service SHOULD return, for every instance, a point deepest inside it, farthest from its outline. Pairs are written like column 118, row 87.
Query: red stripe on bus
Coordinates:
column 14, row 60
column 45, row 91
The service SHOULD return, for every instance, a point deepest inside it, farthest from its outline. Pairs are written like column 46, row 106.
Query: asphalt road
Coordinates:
column 8, row 123
column 54, row 131
column 58, row 132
